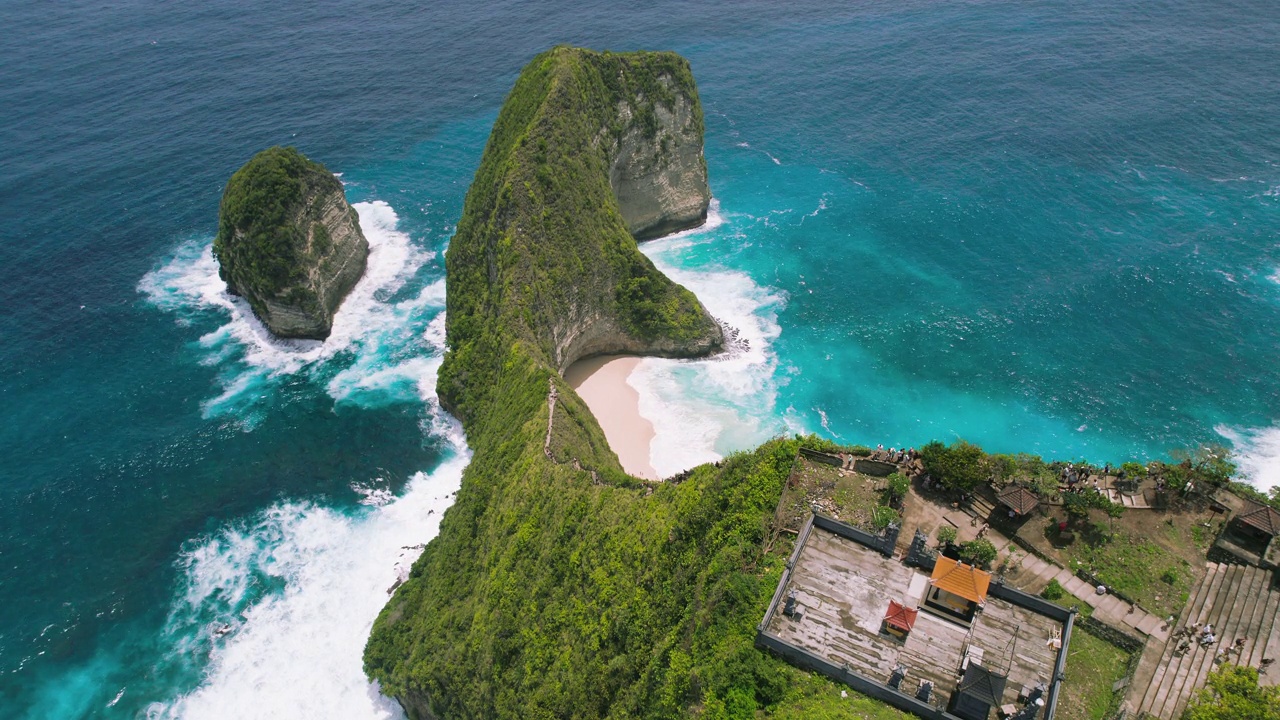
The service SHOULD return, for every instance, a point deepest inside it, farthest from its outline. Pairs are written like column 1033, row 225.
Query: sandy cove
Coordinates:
column 601, row 382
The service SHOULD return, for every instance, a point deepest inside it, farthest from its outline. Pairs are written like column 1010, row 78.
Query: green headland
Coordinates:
column 559, row 586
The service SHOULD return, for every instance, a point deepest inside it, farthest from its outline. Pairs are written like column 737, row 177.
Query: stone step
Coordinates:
column 1167, row 663
column 1176, row 675
column 1252, row 630
column 1212, row 615
column 1234, row 616
column 1225, row 618
column 1270, row 625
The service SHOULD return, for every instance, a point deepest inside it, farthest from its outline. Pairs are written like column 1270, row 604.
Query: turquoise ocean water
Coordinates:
column 1041, row 226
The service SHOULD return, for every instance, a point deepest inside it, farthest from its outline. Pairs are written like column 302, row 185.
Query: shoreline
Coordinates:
column 601, row 382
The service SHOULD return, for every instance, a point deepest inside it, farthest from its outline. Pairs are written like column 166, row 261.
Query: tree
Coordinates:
column 978, row 553
column 960, row 466
column 1233, row 693
column 1078, row 504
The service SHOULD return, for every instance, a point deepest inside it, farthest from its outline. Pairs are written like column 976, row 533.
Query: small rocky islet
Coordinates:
column 289, row 243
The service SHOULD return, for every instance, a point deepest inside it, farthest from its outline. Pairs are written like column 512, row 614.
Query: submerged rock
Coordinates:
column 289, row 243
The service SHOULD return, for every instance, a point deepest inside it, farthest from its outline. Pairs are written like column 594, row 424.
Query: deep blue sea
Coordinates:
column 1042, row 226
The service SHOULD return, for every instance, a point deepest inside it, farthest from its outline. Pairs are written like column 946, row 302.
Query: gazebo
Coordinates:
column 1018, row 499
column 956, row 589
column 1258, row 520
column 899, row 619
column 979, row 690
column 1255, row 529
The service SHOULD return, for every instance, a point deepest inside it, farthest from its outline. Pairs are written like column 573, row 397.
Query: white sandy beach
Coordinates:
column 602, row 383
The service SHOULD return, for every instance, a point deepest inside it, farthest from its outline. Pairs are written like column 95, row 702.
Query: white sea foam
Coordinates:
column 1257, row 453
column 280, row 604
column 296, row 649
column 702, row 409
column 366, row 322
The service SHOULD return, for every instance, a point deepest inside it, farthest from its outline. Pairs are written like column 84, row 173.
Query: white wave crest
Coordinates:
column 294, row 649
column 704, row 408
column 378, row 331
column 1257, row 454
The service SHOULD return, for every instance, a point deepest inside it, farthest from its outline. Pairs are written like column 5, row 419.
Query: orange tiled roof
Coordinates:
column 900, row 616
column 957, row 578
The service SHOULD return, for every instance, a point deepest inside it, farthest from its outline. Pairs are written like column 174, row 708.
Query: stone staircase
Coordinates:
column 1033, row 573
column 1129, row 501
column 982, row 503
column 1239, row 603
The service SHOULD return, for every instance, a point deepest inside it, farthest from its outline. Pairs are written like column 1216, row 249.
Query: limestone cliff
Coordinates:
column 590, row 151
column 289, row 242
column 658, row 171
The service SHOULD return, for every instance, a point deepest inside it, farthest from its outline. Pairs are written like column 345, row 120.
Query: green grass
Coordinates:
column 1093, row 666
column 816, row 698
column 1136, row 566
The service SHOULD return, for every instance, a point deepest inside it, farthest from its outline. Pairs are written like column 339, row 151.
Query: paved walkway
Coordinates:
column 1108, row 608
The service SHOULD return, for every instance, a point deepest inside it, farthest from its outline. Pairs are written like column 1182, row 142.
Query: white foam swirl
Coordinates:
column 377, row 331
column 705, row 408
column 1257, row 454
column 296, row 650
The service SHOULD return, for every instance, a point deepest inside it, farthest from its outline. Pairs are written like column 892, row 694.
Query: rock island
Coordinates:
column 289, row 243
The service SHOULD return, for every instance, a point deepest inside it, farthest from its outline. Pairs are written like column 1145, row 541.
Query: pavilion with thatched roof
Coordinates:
column 1018, row 499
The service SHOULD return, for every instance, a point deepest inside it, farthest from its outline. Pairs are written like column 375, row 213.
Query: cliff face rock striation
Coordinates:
column 657, row 169
column 289, row 243
column 544, row 254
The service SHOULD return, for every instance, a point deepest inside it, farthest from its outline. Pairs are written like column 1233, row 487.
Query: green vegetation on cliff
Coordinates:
column 257, row 203
column 541, row 255
column 558, row 585
column 289, row 243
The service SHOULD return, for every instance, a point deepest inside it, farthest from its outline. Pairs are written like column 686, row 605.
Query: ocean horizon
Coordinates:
column 1041, row 227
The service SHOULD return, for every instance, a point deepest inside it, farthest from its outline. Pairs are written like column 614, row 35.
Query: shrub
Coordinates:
column 1134, row 470
column 899, row 486
column 882, row 516
column 1053, row 591
column 1170, row 576
column 1233, row 693
column 978, row 553
column 946, row 534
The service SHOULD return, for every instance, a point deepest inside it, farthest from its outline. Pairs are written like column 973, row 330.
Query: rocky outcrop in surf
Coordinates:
column 289, row 243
